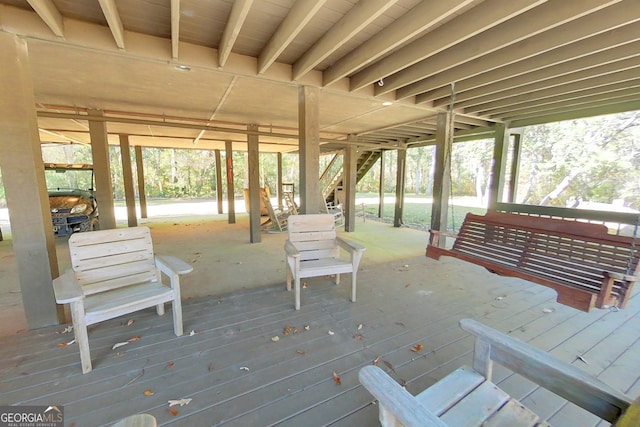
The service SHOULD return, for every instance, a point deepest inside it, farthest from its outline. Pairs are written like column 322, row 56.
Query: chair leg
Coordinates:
column 81, row 335
column 338, row 279
column 289, row 277
column 176, row 306
column 160, row 309
column 297, row 292
column 353, row 287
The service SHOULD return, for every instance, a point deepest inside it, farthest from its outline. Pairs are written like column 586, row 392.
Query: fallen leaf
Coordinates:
column 181, row 402
column 499, row 298
column 360, row 326
column 331, row 333
column 358, row 336
column 130, row 322
column 275, row 339
column 416, row 348
column 68, row 329
column 375, row 362
column 548, row 310
column 336, row 378
column 173, row 411
column 170, row 364
column 136, row 338
column 287, row 330
column 64, row 344
column 119, row 344
column 244, row 368
column 306, row 327
column 300, row 352
column 148, row 392
column 192, row 333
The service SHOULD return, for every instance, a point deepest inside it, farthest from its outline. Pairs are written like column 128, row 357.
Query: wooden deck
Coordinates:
column 236, row 375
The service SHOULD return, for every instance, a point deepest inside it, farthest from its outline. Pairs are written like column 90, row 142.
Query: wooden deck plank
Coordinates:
column 282, row 386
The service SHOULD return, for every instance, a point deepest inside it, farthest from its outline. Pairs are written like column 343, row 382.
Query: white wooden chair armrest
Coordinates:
column 557, row 376
column 349, row 245
column 396, row 401
column 67, row 289
column 171, row 265
column 291, row 250
column 619, row 276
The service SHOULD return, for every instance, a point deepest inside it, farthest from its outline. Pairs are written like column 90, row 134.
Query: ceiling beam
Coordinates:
column 419, row 19
column 539, row 48
column 175, row 28
column 238, row 14
column 298, row 17
column 578, row 113
column 478, row 19
column 601, row 63
column 49, row 14
column 110, row 12
column 610, row 73
column 520, row 30
column 360, row 15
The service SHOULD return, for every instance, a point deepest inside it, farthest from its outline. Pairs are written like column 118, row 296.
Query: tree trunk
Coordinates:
column 560, row 188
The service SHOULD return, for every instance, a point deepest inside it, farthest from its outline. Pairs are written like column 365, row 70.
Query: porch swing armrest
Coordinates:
column 620, row 276
column 443, row 233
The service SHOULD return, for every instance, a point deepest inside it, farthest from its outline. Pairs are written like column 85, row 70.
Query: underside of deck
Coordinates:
column 237, row 373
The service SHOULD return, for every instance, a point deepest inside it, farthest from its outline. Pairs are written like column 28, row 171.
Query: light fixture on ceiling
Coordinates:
column 183, row 68
column 387, row 103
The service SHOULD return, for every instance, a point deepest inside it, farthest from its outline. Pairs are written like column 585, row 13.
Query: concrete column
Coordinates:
column 219, row 180
column 102, row 169
column 279, row 180
column 381, row 186
column 25, row 187
column 127, row 178
column 442, row 175
column 498, row 165
column 309, row 134
column 142, row 197
column 350, row 167
column 231, row 200
column 515, row 167
column 253, row 157
column 400, row 178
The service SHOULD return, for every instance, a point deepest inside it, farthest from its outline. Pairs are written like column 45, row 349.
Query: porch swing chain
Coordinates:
column 450, row 144
column 633, row 244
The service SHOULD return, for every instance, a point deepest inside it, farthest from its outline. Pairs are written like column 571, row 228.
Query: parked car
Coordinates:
column 71, row 198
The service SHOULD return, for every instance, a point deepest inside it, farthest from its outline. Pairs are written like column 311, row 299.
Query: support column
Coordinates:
column 102, row 170
column 442, row 175
column 141, row 192
column 127, row 178
column 309, row 134
column 381, row 186
column 279, row 180
column 498, row 165
column 231, row 199
column 253, row 158
column 218, row 180
column 400, row 176
column 350, row 167
column 25, row 187
column 515, row 167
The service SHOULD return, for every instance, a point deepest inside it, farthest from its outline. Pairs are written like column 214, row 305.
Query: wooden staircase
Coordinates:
column 333, row 175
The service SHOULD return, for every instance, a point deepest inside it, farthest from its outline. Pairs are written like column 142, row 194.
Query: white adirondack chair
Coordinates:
column 115, row 272
column 313, row 249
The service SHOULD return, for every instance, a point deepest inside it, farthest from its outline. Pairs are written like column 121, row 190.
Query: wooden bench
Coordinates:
column 585, row 264
column 467, row 397
column 313, row 249
column 115, row 272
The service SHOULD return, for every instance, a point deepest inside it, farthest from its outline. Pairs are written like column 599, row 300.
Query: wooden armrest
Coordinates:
column 557, row 376
column 291, row 250
column 171, row 265
column 443, row 233
column 395, row 399
column 66, row 288
column 349, row 245
column 619, row 276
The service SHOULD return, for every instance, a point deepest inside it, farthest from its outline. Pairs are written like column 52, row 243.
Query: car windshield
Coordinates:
column 62, row 177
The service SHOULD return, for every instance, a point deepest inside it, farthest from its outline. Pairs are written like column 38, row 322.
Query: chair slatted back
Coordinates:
column 314, row 236
column 110, row 259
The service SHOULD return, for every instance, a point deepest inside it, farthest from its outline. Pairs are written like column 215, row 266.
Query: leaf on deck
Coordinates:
column 416, row 348
column 336, row 378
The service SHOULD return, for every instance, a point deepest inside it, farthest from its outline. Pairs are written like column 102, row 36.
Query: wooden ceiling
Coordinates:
column 194, row 73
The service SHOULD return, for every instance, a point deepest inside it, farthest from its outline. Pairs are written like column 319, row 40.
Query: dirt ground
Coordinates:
column 224, row 260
